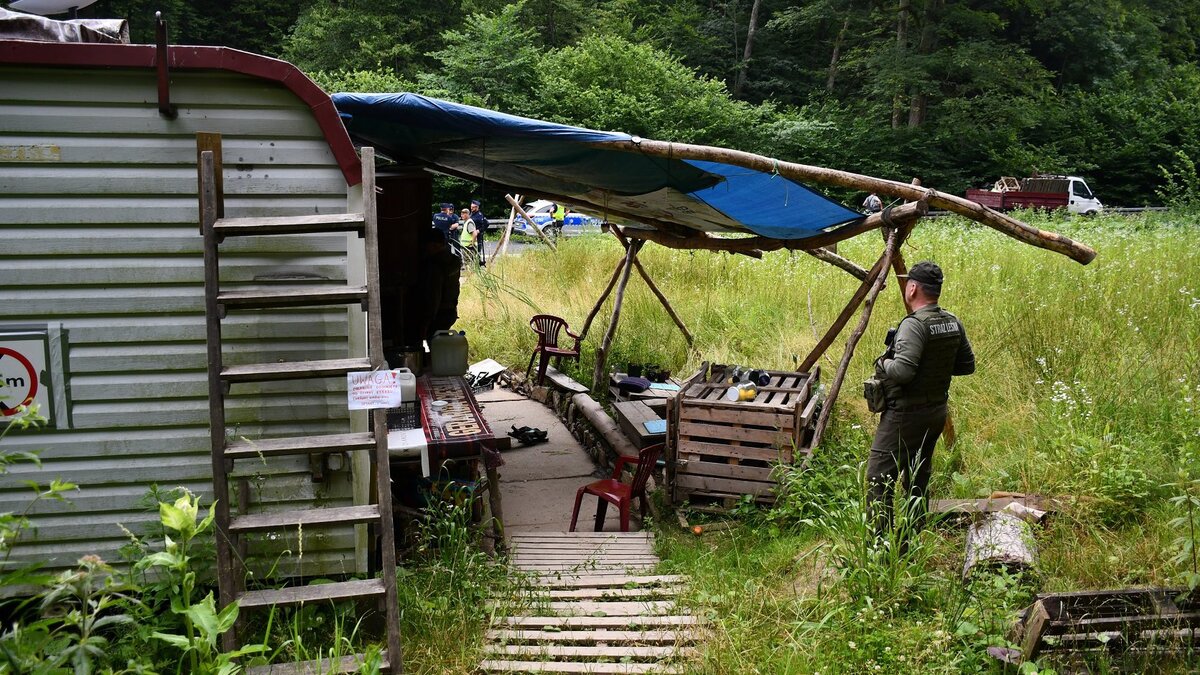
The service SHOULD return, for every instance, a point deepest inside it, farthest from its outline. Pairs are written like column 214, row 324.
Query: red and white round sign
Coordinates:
column 19, row 379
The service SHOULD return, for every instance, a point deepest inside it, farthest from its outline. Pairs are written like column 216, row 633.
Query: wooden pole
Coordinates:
column 687, row 334
column 497, row 508
column 840, row 322
column 868, row 304
column 502, row 249
column 837, row 261
column 964, row 207
column 754, row 246
column 531, row 223
column 603, row 296
column 606, row 344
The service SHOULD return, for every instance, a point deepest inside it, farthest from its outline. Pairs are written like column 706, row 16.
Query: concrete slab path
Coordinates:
column 538, row 483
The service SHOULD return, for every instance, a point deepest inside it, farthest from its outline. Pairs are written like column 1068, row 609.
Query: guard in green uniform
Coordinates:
column 930, row 346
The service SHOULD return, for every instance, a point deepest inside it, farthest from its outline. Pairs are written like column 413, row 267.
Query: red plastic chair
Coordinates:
column 613, row 491
column 547, row 328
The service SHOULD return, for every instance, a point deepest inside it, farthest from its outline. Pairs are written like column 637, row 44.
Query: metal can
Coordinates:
column 742, row 391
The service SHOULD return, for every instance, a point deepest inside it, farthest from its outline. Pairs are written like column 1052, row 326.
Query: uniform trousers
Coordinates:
column 902, row 450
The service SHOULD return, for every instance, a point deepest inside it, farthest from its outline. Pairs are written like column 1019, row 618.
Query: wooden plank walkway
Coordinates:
column 596, row 607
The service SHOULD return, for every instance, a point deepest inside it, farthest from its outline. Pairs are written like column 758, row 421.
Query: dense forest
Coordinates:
column 957, row 93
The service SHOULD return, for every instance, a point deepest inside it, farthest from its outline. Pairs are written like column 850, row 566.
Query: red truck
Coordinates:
column 1039, row 192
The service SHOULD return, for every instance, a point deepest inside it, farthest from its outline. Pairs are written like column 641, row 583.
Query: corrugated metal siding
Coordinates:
column 104, row 242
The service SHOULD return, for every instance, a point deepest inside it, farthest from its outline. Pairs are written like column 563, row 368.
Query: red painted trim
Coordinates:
column 187, row 57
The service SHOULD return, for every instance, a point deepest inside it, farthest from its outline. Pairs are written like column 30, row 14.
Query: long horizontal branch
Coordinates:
column 977, row 212
column 900, row 215
column 838, row 261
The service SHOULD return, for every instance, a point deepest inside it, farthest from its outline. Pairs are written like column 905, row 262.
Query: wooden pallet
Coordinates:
column 719, row 450
column 595, row 607
column 1128, row 619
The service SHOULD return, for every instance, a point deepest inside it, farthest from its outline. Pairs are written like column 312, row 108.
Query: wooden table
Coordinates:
column 631, row 416
column 652, row 394
column 457, row 431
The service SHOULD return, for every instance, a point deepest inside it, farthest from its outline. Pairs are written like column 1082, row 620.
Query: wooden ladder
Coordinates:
column 230, row 529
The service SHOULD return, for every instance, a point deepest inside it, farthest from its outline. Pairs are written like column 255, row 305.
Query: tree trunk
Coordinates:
column 837, row 49
column 919, row 100
column 901, row 48
column 744, row 69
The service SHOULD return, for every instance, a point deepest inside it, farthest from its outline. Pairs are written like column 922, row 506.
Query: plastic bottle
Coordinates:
column 408, row 384
column 448, row 352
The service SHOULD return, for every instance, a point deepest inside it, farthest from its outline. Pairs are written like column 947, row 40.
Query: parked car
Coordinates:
column 542, row 212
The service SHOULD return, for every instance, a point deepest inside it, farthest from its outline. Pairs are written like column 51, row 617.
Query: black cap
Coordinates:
column 926, row 273
column 475, row 202
column 447, row 205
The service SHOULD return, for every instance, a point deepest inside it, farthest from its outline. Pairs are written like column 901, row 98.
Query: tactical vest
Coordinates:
column 943, row 335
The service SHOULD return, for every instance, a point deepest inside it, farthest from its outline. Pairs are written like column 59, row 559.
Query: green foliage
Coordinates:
column 202, row 622
column 360, row 81
column 609, row 83
column 477, row 63
column 361, row 35
column 1181, row 187
column 1187, row 503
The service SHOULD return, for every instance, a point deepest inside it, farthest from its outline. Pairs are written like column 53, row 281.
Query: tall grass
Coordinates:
column 1088, row 385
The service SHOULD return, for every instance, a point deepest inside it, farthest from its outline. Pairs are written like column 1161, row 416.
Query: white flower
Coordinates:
column 851, row 644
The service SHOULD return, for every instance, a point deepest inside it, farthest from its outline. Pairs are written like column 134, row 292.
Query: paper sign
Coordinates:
column 372, row 390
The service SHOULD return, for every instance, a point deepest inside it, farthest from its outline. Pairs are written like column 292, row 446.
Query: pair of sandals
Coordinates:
column 528, row 435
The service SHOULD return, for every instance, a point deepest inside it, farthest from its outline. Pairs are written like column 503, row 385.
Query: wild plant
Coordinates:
column 879, row 566
column 1187, row 504
column 202, row 622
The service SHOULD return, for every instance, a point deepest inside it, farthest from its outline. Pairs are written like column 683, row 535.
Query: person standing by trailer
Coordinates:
column 444, row 220
column 481, row 227
column 873, row 204
column 930, row 347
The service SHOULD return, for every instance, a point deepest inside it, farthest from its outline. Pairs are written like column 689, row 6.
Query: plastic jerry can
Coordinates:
column 448, row 352
column 408, row 384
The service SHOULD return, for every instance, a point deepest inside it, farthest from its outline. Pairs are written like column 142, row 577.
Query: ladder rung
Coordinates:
column 341, row 515
column 299, row 445
column 294, row 595
column 346, row 664
column 296, row 297
column 333, row 222
column 293, row 370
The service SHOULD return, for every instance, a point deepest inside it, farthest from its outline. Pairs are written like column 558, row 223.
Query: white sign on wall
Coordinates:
column 24, row 377
column 372, row 390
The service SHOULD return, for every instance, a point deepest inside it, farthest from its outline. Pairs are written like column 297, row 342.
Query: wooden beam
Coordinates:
column 837, row 261
column 687, row 334
column 598, row 379
column 502, row 249
column 840, row 322
column 894, row 241
column 532, row 224
column 603, row 296
column 900, row 215
column 845, row 179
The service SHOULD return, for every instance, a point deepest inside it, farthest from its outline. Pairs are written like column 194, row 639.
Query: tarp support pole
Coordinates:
column 895, row 238
column 502, row 247
column 687, row 334
column 532, row 224
column 600, row 300
column 606, row 344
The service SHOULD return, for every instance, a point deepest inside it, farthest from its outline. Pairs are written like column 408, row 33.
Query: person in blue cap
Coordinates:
column 481, row 226
column 444, row 221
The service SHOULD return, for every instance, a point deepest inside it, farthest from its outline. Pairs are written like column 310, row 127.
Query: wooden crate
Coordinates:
column 719, row 450
column 1153, row 619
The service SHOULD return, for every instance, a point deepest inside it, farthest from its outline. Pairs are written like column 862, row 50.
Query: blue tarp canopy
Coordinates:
column 570, row 164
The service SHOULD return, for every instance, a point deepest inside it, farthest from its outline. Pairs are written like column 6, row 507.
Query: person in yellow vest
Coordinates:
column 468, row 235
column 560, row 214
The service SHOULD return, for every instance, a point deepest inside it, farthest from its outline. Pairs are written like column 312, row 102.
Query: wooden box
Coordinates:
column 719, row 449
